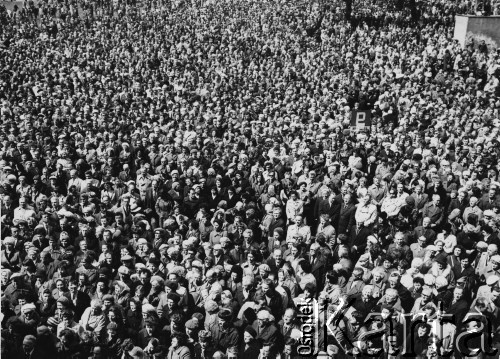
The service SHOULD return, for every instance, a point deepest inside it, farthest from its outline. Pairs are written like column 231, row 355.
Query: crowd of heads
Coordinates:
column 177, row 178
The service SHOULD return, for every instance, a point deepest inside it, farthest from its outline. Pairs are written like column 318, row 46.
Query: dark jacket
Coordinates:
column 82, row 303
column 269, row 335
column 318, row 270
column 275, row 303
column 346, row 217
column 225, row 339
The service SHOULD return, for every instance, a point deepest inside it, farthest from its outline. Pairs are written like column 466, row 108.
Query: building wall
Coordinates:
column 485, row 28
column 461, row 29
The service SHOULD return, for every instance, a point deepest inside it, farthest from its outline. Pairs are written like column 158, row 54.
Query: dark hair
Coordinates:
column 487, row 229
column 459, row 246
column 69, row 335
column 194, row 224
column 419, row 280
column 305, row 266
column 118, row 313
column 472, row 219
column 423, row 325
column 250, row 315
column 181, row 338
column 229, row 261
column 259, row 297
column 403, row 263
column 310, row 287
column 387, row 258
column 464, row 255
column 447, row 227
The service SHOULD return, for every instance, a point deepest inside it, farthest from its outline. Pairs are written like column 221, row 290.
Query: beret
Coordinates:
column 173, row 296
column 147, row 308
column 28, row 307
column 492, row 279
column 495, row 258
column 251, row 331
column 192, row 324
column 123, row 270
column 171, row 284
column 211, row 306
column 156, row 278
column 225, row 314
column 441, row 259
column 410, row 200
column 141, row 241
column 64, row 300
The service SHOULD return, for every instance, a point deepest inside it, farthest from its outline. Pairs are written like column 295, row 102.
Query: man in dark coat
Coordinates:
column 358, row 238
column 80, row 300
column 346, row 214
column 403, row 293
column 318, row 265
column 225, row 335
column 459, row 306
column 277, row 222
column 364, row 302
column 273, row 299
column 267, row 332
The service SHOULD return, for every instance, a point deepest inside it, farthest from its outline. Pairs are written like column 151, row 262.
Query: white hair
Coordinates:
column 416, row 262
column 247, row 280
column 96, row 303
column 429, row 279
column 264, row 315
column 441, row 281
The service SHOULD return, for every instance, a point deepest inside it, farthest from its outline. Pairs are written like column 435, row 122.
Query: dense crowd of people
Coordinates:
column 178, row 178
